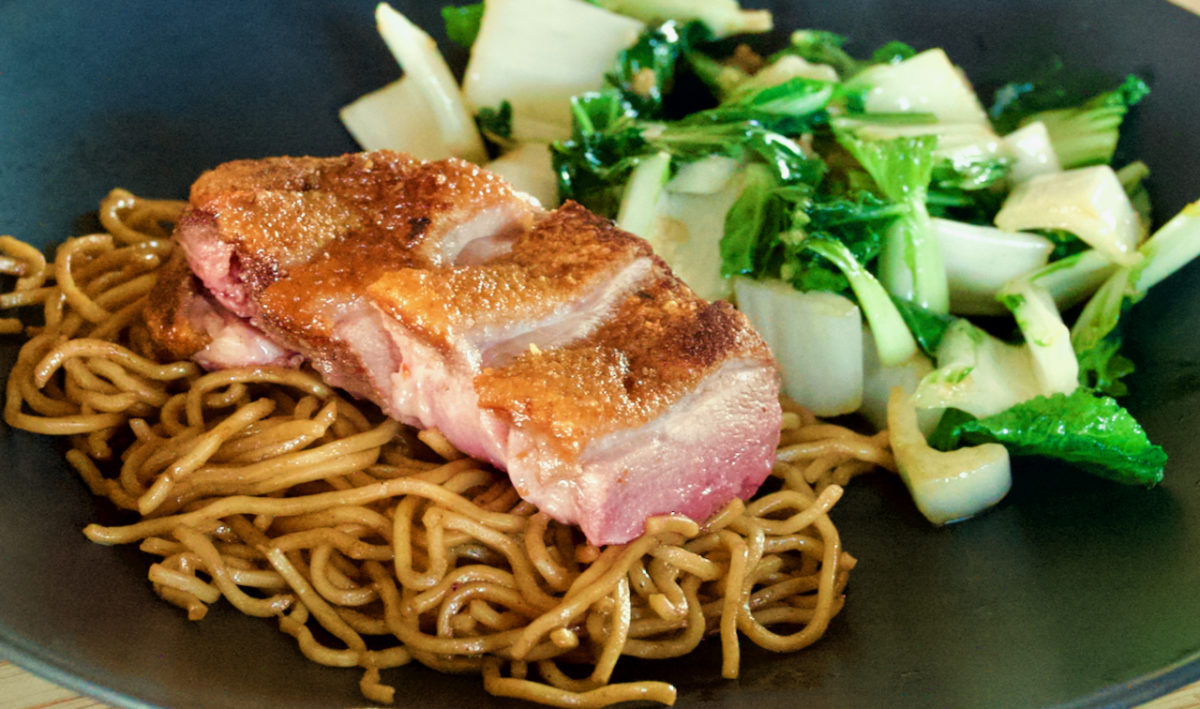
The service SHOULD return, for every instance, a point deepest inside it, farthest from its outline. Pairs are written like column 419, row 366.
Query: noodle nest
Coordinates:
column 374, row 545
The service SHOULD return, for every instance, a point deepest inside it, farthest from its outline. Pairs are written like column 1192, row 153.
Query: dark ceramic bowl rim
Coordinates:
column 43, row 661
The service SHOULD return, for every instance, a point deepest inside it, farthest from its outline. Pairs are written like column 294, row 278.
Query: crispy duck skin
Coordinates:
column 553, row 345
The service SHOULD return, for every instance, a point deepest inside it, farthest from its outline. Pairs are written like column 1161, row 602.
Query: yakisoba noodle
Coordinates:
column 271, row 490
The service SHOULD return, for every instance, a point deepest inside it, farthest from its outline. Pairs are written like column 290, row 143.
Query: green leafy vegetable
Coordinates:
column 945, row 436
column 821, row 47
column 973, row 206
column 856, row 220
column 462, row 23
column 608, row 135
column 1087, row 134
column 893, row 341
column 769, row 233
column 1087, row 430
column 969, row 176
column 1133, row 180
column 893, row 52
column 645, row 72
column 747, row 218
column 495, row 123
column 927, row 327
column 1101, row 313
column 719, row 77
column 1102, row 366
column 594, row 164
column 911, row 264
column 792, row 107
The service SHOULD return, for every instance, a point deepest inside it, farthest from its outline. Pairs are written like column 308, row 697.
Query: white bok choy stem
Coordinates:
column 1169, row 249
column 910, row 262
column 978, row 373
column 1031, row 151
column 1173, row 246
column 722, row 17
column 528, row 168
column 980, row 260
column 537, row 54
column 946, row 486
column 925, row 83
column 422, row 113
column 1046, row 335
column 893, row 340
column 1089, row 202
column 1072, row 279
column 704, row 176
column 816, row 338
column 684, row 228
column 879, row 380
column 639, row 202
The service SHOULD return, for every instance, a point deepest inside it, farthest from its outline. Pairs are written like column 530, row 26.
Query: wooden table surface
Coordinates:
column 21, row 690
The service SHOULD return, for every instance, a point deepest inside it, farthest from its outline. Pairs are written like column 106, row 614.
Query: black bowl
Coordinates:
column 1072, row 591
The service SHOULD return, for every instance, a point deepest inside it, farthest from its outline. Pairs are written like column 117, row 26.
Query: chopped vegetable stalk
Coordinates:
column 1031, row 151
column 911, row 264
column 946, row 486
column 1133, row 181
column 925, row 83
column 537, row 54
column 1072, row 279
column 396, row 117
column 911, row 261
column 1088, row 431
column 893, row 342
column 703, row 176
column 879, row 380
column 1175, row 244
column 788, row 66
column 980, row 260
column 1046, row 335
column 816, row 339
column 821, row 47
column 688, row 236
column 978, row 373
column 1088, row 134
column 639, row 204
column 958, row 143
column 968, row 156
column 1101, row 313
column 1169, row 249
column 527, row 168
column 1088, row 202
column 722, row 17
column 719, row 77
column 423, row 113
